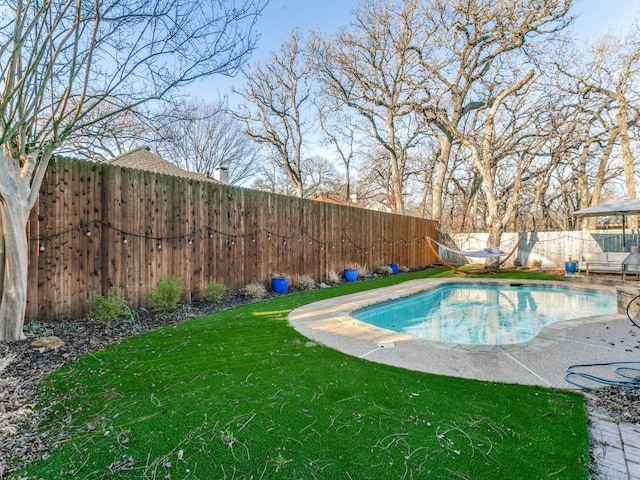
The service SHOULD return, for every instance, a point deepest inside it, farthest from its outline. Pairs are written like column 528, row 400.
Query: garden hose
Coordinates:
column 626, row 374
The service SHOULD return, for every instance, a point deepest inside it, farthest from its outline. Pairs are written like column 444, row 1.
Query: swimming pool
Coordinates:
column 486, row 314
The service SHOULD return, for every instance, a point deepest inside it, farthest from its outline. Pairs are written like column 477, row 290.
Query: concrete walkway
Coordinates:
column 541, row 361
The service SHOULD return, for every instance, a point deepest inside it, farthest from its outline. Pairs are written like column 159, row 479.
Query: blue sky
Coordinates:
column 280, row 16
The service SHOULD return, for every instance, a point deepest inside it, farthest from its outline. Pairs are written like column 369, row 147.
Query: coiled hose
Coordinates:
column 625, row 374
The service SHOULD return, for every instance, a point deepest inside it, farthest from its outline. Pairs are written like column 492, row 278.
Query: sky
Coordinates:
column 594, row 17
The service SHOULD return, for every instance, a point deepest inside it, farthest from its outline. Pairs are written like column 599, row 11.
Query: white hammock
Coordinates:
column 485, row 253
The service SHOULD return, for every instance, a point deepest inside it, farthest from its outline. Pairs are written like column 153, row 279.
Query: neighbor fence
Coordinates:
column 547, row 249
column 98, row 226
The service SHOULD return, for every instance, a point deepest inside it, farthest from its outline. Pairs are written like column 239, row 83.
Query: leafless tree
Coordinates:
column 62, row 62
column 368, row 67
column 199, row 136
column 341, row 133
column 276, row 94
column 460, row 49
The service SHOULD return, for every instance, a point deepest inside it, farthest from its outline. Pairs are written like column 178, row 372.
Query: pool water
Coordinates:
column 486, row 314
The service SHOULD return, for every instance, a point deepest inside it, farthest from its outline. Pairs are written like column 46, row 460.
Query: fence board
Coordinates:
column 238, row 236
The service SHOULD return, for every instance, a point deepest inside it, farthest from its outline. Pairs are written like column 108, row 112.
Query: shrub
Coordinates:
column 110, row 307
column 305, row 283
column 214, row 291
column 384, row 270
column 334, row 277
column 167, row 293
column 363, row 271
column 404, row 269
column 255, row 291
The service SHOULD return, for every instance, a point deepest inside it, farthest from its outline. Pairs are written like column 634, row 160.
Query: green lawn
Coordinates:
column 241, row 395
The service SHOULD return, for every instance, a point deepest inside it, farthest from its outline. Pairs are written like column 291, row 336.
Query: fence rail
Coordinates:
column 98, row 226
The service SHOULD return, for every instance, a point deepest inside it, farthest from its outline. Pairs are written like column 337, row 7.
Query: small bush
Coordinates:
column 33, row 326
column 215, row 291
column 334, row 277
column 305, row 283
column 110, row 307
column 363, row 271
column 404, row 269
column 255, row 291
column 384, row 270
column 167, row 293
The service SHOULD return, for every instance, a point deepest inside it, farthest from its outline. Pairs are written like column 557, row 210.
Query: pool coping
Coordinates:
column 569, row 342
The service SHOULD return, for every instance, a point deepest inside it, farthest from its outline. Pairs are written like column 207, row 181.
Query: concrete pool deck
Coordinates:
column 542, row 361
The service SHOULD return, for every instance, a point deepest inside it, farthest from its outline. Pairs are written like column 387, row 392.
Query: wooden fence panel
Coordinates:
column 103, row 226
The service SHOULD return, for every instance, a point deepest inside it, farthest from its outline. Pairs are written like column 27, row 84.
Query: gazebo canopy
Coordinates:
column 613, row 207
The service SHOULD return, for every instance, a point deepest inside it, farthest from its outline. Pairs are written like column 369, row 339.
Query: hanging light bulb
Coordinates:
column 124, row 239
column 42, row 246
column 159, row 245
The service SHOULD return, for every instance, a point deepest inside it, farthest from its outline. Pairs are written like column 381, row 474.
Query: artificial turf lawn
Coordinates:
column 241, row 395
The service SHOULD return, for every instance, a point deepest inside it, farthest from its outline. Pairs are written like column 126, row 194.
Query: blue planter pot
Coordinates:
column 350, row 275
column 570, row 267
column 394, row 267
column 280, row 284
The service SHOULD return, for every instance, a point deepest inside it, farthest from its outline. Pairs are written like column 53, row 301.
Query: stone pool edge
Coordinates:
column 338, row 311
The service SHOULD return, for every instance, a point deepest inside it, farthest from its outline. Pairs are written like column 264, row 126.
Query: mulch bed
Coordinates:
column 22, row 367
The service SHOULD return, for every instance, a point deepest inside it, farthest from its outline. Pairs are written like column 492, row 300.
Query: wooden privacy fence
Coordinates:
column 97, row 226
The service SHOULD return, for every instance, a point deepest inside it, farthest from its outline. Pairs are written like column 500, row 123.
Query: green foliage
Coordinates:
column 167, row 293
column 305, row 283
column 33, row 326
column 108, row 308
column 255, row 291
column 215, row 291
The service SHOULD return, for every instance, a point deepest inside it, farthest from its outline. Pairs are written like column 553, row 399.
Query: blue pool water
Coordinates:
column 486, row 314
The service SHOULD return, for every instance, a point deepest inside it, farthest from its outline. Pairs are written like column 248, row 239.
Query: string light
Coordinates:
column 231, row 238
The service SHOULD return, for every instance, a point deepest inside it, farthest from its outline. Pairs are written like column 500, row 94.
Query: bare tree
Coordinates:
column 368, row 68
column 460, row 47
column 340, row 132
column 109, row 135
column 61, row 62
column 604, row 78
column 278, row 92
column 198, row 137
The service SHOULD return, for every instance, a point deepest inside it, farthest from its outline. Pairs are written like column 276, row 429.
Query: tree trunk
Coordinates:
column 627, row 157
column 15, row 266
column 438, row 182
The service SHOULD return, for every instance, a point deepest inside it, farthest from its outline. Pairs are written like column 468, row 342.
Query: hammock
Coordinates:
column 485, row 253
